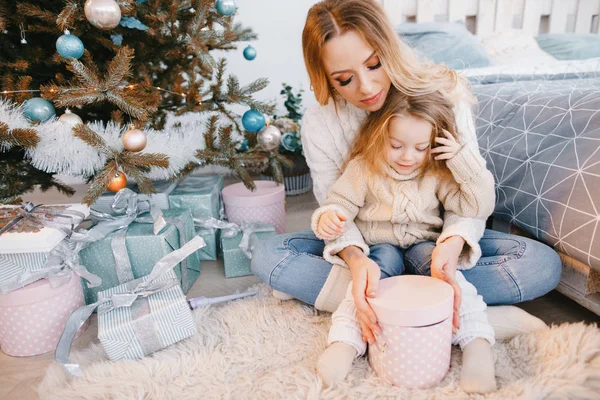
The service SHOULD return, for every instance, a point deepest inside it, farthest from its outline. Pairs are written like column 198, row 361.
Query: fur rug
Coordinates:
column 262, row 348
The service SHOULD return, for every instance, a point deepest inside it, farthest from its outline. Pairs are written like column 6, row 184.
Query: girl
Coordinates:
column 392, row 189
column 354, row 57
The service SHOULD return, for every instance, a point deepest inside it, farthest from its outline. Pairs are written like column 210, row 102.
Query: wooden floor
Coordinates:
column 20, row 376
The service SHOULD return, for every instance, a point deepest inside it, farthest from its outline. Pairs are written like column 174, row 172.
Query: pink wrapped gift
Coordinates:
column 415, row 315
column 33, row 318
column 266, row 204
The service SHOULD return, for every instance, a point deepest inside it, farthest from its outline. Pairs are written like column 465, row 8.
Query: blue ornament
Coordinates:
column 242, row 146
column 226, row 7
column 38, row 109
column 253, row 121
column 249, row 53
column 290, row 142
column 69, row 46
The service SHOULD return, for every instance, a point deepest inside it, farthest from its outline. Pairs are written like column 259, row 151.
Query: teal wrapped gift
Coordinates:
column 137, row 318
column 238, row 244
column 144, row 249
column 202, row 195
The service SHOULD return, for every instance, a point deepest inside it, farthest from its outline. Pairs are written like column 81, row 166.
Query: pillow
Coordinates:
column 450, row 43
column 570, row 46
column 513, row 46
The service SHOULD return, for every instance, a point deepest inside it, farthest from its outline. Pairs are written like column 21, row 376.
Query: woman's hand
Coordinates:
column 443, row 266
column 331, row 225
column 448, row 148
column 365, row 282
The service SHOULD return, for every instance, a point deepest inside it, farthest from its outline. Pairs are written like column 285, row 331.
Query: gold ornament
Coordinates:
column 118, row 182
column 70, row 118
column 103, row 14
column 134, row 140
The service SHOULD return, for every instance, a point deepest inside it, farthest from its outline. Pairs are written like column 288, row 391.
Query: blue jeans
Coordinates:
column 512, row 268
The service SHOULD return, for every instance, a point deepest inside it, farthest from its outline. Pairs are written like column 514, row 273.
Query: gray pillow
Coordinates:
column 447, row 42
column 570, row 46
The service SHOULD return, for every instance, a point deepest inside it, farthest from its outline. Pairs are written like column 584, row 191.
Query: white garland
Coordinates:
column 12, row 115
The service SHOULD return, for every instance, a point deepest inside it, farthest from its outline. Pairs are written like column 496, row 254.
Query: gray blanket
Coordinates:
column 541, row 140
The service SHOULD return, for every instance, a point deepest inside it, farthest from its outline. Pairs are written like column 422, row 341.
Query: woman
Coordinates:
column 353, row 56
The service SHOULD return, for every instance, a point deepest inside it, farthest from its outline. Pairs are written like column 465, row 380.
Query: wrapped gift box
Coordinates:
column 202, row 195
column 160, row 199
column 148, row 325
column 235, row 259
column 23, row 254
column 32, row 318
column 144, row 249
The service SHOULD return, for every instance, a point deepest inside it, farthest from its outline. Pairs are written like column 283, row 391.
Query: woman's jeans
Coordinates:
column 512, row 269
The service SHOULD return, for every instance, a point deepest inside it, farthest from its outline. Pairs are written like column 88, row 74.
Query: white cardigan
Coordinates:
column 327, row 139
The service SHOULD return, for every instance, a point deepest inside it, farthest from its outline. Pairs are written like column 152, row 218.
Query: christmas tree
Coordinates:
column 123, row 67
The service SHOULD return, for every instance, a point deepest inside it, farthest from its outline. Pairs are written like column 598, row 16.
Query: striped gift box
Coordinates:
column 23, row 254
column 148, row 325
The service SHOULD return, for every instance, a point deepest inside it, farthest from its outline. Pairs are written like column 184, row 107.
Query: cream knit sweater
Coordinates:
column 328, row 134
column 405, row 209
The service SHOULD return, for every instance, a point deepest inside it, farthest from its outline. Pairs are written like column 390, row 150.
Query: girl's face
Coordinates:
column 410, row 141
column 355, row 71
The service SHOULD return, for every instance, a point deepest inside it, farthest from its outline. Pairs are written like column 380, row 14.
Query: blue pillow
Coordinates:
column 570, row 46
column 447, row 42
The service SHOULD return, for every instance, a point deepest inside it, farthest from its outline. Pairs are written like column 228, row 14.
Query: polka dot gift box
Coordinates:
column 33, row 318
column 266, row 204
column 415, row 315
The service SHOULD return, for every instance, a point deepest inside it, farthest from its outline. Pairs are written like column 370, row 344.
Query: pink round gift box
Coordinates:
column 33, row 318
column 266, row 204
column 415, row 315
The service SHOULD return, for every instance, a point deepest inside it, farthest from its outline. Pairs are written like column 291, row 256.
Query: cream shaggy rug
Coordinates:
column 262, row 348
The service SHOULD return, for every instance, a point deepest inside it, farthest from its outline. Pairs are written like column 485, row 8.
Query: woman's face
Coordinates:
column 355, row 72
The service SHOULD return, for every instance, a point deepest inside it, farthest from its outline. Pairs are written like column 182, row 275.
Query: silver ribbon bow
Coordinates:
column 127, row 299
column 63, row 259
column 249, row 237
column 63, row 220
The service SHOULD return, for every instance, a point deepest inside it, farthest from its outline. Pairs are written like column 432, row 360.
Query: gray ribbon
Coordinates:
column 127, row 207
column 249, row 237
column 63, row 220
column 63, row 260
column 210, row 225
column 138, row 290
column 183, row 239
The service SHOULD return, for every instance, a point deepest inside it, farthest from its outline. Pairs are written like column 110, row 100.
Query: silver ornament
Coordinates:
column 269, row 137
column 103, row 14
column 134, row 140
column 70, row 118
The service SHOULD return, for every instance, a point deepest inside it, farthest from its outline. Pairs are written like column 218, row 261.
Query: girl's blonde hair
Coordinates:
column 374, row 139
column 330, row 18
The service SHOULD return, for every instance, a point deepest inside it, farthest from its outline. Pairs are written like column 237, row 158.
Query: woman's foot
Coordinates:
column 478, row 374
column 510, row 321
column 335, row 363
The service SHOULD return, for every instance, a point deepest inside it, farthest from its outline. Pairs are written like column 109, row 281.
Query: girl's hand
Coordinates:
column 448, row 146
column 331, row 225
column 365, row 282
column 443, row 266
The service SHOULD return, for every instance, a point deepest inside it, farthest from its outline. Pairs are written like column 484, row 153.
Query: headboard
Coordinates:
column 483, row 17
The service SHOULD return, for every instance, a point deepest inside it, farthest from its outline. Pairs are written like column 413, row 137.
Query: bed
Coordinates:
column 537, row 117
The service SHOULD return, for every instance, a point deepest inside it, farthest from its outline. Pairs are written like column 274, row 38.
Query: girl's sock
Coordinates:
column 281, row 296
column 335, row 363
column 478, row 374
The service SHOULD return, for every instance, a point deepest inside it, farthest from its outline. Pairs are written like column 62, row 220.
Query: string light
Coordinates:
column 131, row 87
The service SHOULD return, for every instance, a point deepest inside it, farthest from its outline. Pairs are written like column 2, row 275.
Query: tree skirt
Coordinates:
column 263, row 348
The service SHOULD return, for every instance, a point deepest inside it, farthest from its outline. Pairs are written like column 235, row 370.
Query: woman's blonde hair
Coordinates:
column 374, row 139
column 330, row 18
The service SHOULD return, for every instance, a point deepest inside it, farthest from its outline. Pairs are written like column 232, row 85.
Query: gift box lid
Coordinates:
column 412, row 300
column 37, row 242
column 36, row 292
column 267, row 192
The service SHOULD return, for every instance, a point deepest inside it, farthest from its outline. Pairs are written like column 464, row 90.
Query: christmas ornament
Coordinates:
column 134, row 140
column 249, row 53
column 103, row 14
column 290, row 141
column 69, row 46
column 70, row 118
column 38, row 109
column 226, row 7
column 242, row 146
column 269, row 138
column 118, row 182
column 253, row 121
